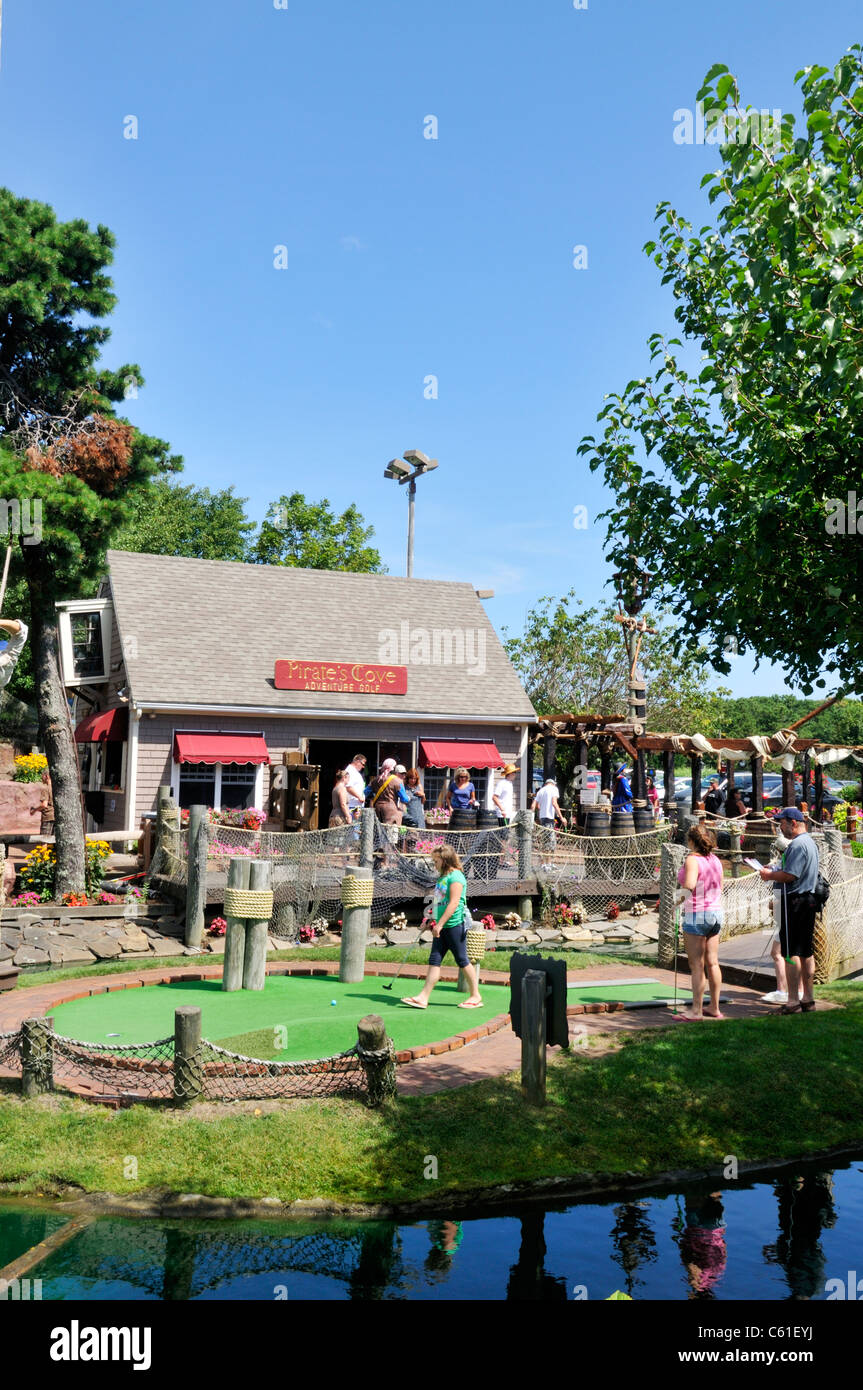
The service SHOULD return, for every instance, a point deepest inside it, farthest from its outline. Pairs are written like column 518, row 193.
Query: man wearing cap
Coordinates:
column 546, row 804
column 798, row 875
column 622, row 799
column 504, row 794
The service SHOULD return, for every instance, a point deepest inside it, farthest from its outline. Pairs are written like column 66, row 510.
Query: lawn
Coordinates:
column 760, row 1089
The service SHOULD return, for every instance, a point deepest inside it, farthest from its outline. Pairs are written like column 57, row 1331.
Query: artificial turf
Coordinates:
column 292, row 1019
column 636, row 993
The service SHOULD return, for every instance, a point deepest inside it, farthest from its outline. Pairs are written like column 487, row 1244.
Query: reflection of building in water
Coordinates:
column 633, row 1240
column 528, row 1278
column 701, row 1238
column 805, row 1209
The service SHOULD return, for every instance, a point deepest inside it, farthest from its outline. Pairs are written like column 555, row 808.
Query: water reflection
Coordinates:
column 806, row 1209
column 758, row 1241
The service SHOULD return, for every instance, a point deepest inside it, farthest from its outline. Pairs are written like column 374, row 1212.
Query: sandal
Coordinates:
column 807, row 1005
column 791, row 1009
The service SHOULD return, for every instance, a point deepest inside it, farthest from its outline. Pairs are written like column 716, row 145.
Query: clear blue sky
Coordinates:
column 260, row 127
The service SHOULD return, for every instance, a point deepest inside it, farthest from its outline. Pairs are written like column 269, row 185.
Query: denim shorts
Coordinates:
column 706, row 923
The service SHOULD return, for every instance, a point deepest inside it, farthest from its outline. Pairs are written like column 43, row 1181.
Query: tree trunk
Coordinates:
column 55, row 730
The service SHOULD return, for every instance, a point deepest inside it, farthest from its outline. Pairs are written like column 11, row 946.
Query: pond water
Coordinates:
column 783, row 1239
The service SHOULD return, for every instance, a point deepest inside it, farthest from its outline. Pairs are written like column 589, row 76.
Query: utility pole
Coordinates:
column 402, row 473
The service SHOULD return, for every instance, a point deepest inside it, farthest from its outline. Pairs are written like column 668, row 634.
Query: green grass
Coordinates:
column 684, row 1097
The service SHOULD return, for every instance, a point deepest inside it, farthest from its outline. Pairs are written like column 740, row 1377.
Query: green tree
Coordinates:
column 572, row 658
column 728, row 479
column 165, row 518
column 309, row 535
column 62, row 448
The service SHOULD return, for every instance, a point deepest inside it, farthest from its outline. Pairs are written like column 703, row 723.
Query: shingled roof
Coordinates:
column 209, row 632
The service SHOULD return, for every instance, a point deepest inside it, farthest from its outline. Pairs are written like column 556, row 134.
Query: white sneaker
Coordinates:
column 778, row 996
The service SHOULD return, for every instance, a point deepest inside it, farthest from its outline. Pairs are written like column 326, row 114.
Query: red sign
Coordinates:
column 342, row 677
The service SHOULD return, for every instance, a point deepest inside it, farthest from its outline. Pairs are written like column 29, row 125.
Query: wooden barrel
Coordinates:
column 597, row 823
column 643, row 819
column 622, row 823
column 462, row 820
column 487, row 820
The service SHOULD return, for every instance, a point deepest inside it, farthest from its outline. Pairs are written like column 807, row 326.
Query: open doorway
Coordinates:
column 331, row 754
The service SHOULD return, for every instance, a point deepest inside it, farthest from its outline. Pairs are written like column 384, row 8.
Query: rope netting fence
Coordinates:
column 308, row 868
column 158, row 1072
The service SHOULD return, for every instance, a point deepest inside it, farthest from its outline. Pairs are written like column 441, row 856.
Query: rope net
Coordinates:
column 150, row 1071
column 308, row 868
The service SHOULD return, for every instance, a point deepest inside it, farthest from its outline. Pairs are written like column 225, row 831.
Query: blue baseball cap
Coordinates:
column 791, row 813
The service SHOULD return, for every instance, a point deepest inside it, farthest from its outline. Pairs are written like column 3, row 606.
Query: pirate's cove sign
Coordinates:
column 347, row 677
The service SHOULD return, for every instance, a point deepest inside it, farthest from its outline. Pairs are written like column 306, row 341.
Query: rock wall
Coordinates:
column 16, row 798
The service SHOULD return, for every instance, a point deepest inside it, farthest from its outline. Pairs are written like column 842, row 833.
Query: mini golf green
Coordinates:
column 619, row 991
column 255, row 1022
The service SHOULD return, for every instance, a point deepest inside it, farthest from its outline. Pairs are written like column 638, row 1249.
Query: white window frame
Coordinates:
column 105, row 608
column 217, row 767
column 124, row 761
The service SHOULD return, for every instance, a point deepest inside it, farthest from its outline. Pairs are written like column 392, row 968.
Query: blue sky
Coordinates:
column 407, row 257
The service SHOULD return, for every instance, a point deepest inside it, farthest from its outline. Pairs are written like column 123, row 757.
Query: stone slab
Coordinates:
column 408, row 936
column 105, row 947
column 75, row 954
column 134, row 941
column 10, row 937
column 168, row 946
column 31, row 955
column 6, row 953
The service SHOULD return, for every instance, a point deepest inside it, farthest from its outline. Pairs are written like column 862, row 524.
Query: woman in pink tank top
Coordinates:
column 701, row 878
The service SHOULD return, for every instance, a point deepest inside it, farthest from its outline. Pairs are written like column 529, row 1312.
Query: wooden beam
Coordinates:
column 625, row 744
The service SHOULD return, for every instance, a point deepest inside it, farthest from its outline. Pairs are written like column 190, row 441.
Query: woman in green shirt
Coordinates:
column 449, row 929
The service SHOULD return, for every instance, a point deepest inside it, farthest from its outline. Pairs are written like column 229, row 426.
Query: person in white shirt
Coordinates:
column 9, row 659
column 356, row 784
column 504, row 794
column 546, row 804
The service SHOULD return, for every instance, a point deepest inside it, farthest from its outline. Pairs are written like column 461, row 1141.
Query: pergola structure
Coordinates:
column 609, row 732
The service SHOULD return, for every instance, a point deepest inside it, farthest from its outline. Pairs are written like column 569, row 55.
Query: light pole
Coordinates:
column 406, row 470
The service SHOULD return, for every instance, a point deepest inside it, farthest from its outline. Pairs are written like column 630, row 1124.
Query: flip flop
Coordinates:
column 807, row 1005
column 791, row 1009
column 685, row 1018
column 414, row 1004
column 468, row 1005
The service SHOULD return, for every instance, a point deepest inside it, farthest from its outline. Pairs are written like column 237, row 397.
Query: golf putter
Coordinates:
column 404, row 958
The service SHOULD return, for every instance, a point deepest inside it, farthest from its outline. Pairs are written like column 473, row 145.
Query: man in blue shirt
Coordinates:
column 798, row 876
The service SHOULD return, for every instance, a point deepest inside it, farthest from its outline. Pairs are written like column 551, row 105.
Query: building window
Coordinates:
column 436, row 781
column 197, row 785
column 85, row 641
column 239, row 785
column 224, row 786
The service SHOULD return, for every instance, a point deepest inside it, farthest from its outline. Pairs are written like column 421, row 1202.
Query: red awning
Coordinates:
column 105, row 726
column 220, row 748
column 458, row 754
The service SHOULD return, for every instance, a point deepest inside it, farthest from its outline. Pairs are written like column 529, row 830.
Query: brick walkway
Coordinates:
column 496, row 1055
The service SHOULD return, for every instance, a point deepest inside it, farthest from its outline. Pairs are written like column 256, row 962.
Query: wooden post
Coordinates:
column 196, row 875
column 757, row 766
column 670, row 860
column 668, row 781
column 788, row 794
column 235, row 935
column 146, row 844
column 533, row 1059
column 580, row 777
column 819, row 793
column 37, row 1058
column 605, row 771
column 378, row 1058
column 356, row 923
column 549, row 757
column 367, row 837
column 525, row 861
column 806, row 769
column 255, row 959
column 188, row 1064
column 696, row 764
column 736, row 856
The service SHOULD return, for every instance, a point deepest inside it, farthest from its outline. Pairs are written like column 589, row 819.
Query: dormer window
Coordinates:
column 85, row 641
